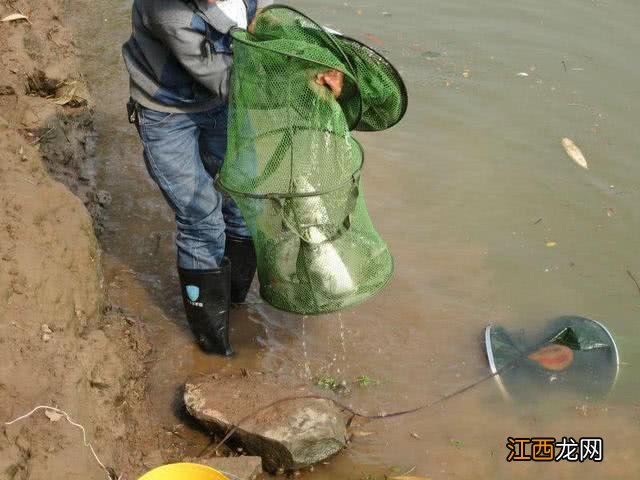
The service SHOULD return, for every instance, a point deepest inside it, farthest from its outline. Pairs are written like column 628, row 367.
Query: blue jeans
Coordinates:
column 183, row 153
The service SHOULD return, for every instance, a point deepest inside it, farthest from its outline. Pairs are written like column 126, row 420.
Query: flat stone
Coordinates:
column 236, row 468
column 289, row 436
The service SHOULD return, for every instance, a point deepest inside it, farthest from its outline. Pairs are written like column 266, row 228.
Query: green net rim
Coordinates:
column 238, row 34
column 353, row 178
column 335, row 40
column 241, row 35
column 402, row 87
column 328, row 36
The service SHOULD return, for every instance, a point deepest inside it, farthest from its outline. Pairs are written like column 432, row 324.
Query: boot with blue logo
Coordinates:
column 242, row 254
column 206, row 294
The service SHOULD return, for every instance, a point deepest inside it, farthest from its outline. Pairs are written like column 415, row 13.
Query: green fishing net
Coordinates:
column 293, row 167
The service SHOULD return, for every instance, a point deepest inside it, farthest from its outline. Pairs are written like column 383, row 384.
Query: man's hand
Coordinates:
column 332, row 79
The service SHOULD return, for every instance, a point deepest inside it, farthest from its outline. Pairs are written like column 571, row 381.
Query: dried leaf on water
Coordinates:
column 415, row 435
column 13, row 17
column 551, row 244
column 574, row 153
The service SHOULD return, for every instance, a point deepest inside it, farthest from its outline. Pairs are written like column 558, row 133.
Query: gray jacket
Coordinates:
column 179, row 54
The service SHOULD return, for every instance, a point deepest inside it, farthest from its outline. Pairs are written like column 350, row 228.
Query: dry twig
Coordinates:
column 634, row 280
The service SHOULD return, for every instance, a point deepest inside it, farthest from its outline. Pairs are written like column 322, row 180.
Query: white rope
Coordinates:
column 84, row 433
column 228, row 474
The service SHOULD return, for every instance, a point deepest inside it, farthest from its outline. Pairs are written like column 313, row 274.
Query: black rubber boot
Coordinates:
column 205, row 294
column 240, row 251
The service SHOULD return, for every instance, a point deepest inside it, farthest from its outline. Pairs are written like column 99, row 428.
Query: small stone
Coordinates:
column 46, row 329
column 103, row 198
column 46, row 337
column 7, row 90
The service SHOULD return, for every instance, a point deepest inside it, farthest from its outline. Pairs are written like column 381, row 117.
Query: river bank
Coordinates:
column 63, row 343
column 487, row 218
column 461, row 217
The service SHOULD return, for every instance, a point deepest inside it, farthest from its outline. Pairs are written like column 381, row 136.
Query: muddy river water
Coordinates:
column 488, row 219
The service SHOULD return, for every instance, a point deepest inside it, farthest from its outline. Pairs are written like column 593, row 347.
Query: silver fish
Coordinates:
column 320, row 256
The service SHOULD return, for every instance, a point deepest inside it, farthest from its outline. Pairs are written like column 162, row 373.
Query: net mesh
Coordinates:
column 293, row 167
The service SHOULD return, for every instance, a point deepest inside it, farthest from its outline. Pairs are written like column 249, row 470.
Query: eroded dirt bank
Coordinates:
column 61, row 342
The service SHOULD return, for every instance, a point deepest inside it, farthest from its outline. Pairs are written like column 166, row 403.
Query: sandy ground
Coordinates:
column 61, row 342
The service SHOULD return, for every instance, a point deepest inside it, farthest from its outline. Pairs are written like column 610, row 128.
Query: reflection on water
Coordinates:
column 488, row 220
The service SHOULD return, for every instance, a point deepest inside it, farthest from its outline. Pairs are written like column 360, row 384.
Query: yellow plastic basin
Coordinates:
column 183, row 471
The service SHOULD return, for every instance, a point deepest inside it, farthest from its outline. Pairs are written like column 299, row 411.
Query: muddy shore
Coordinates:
column 468, row 245
column 62, row 342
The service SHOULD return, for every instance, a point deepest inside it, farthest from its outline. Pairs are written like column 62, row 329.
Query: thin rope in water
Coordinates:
column 110, row 474
column 354, row 413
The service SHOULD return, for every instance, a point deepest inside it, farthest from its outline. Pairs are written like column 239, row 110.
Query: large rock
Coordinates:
column 289, row 436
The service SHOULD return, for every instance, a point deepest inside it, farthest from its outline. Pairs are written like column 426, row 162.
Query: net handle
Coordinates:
column 396, row 73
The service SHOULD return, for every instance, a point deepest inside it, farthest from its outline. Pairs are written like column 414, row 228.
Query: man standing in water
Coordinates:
column 179, row 60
